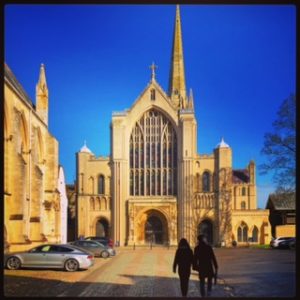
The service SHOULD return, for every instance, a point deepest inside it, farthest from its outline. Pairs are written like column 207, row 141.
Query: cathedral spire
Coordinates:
column 42, row 96
column 177, row 90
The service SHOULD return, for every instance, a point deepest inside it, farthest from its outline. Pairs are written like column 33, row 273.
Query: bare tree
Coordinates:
column 280, row 147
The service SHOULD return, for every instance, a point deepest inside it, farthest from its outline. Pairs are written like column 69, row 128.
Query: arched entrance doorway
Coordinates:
column 154, row 230
column 206, row 228
column 102, row 227
column 152, row 227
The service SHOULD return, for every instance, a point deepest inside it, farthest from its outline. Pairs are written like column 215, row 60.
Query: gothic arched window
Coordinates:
column 101, row 184
column 131, row 183
column 243, row 191
column 206, row 182
column 242, row 233
column 255, row 235
column 153, row 156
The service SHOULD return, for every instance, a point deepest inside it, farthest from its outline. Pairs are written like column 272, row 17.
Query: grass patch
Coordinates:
column 261, row 246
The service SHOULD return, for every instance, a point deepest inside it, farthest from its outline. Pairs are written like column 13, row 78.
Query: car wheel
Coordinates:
column 71, row 265
column 13, row 263
column 104, row 254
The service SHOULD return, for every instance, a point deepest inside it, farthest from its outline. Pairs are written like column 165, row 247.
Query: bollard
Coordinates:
column 134, row 246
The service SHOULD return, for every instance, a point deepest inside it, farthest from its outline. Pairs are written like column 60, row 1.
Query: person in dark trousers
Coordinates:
column 204, row 261
column 184, row 260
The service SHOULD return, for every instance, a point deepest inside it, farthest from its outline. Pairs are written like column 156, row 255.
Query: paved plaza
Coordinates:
column 148, row 273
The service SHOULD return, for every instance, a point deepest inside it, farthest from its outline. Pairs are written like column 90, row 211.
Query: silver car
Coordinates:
column 51, row 256
column 97, row 248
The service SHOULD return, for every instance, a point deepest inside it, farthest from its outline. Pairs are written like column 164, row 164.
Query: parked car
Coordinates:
column 292, row 243
column 103, row 240
column 59, row 256
column 289, row 243
column 97, row 248
column 283, row 242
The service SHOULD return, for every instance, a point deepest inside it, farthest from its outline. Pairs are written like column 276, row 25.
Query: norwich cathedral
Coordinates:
column 155, row 187
column 35, row 202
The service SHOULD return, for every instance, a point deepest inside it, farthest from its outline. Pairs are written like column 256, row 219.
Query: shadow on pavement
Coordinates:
column 134, row 286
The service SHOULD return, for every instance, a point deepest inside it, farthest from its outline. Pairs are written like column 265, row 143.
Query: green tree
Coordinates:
column 280, row 147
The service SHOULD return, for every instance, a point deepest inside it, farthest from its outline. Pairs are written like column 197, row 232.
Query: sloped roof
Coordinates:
column 284, row 201
column 84, row 148
column 222, row 144
column 11, row 78
column 240, row 176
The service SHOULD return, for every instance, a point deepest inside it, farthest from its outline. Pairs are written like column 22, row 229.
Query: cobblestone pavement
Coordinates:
column 148, row 273
column 139, row 273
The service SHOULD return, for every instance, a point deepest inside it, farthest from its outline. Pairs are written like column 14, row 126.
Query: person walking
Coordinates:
column 184, row 260
column 204, row 261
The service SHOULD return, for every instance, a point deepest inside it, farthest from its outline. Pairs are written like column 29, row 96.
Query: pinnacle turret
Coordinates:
column 191, row 100
column 42, row 83
column 42, row 96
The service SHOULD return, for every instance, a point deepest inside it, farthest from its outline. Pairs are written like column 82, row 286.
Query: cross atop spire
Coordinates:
column 153, row 67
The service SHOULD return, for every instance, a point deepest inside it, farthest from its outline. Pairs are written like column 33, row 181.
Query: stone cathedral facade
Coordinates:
column 155, row 187
column 35, row 204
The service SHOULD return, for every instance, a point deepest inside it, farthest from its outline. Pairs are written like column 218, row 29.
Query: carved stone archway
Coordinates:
column 152, row 227
column 205, row 227
column 102, row 227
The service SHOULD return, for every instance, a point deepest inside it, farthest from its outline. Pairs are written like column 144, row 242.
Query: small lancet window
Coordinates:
column 243, row 191
column 243, row 205
column 152, row 92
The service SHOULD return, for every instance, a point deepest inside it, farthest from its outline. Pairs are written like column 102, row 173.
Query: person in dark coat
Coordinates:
column 184, row 260
column 204, row 261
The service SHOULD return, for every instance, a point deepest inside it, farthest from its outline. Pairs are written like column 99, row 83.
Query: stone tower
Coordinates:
column 187, row 133
column 223, row 169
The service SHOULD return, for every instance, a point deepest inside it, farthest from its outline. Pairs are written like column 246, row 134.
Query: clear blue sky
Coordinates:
column 239, row 60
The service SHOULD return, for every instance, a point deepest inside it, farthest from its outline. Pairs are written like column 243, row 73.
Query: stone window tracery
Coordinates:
column 242, row 233
column 255, row 235
column 153, row 156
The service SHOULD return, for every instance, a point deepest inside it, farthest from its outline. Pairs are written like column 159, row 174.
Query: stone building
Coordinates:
column 282, row 218
column 32, row 207
column 155, row 187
